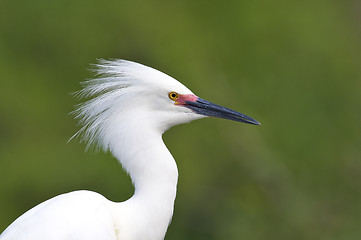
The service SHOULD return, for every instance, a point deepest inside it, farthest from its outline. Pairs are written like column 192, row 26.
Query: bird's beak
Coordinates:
column 203, row 107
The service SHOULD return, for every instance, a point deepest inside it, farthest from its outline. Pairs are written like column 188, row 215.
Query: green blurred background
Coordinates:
column 292, row 65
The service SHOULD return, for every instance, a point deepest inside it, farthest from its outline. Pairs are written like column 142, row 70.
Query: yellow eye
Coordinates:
column 173, row 96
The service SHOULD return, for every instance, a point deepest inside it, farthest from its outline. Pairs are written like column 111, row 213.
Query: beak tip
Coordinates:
column 254, row 122
column 250, row 120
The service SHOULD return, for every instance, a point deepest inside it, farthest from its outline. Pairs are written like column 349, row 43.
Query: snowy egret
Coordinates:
column 128, row 108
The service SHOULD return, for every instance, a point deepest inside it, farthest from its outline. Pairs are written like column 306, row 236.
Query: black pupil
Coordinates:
column 173, row 95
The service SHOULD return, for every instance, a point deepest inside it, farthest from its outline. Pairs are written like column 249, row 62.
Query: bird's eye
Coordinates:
column 173, row 96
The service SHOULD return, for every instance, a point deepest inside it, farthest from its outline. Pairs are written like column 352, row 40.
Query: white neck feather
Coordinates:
column 154, row 174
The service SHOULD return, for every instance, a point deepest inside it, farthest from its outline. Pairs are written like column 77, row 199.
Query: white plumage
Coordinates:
column 128, row 108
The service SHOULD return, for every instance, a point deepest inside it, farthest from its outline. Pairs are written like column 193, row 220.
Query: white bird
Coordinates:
column 130, row 107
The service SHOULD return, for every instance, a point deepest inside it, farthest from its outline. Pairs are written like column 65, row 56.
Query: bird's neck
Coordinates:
column 154, row 174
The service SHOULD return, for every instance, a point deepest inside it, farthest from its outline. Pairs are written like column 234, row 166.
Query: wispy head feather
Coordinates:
column 101, row 94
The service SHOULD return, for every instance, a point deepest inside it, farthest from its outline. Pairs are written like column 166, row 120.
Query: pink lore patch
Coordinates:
column 186, row 98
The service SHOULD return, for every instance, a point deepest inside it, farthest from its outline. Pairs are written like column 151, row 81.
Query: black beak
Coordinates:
column 206, row 108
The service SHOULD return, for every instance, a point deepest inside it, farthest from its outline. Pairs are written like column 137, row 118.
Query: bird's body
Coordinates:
column 74, row 215
column 130, row 107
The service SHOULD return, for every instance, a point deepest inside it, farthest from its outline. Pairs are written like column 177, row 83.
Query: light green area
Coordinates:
column 295, row 66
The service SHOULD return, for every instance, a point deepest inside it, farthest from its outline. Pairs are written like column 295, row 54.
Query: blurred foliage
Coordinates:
column 292, row 65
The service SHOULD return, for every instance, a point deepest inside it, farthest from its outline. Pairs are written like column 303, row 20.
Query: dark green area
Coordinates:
column 295, row 66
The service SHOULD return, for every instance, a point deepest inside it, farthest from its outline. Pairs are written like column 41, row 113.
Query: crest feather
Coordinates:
column 100, row 94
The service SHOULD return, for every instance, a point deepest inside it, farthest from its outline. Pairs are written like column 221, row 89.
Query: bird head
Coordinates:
column 125, row 93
